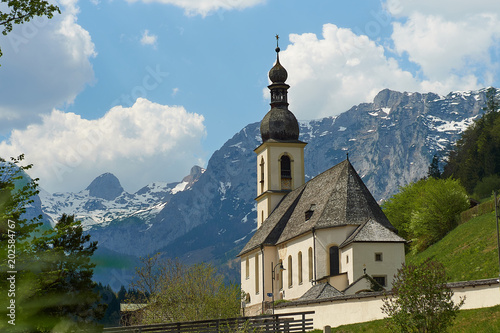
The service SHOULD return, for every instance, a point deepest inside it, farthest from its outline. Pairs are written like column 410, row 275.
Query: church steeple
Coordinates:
column 280, row 157
column 279, row 123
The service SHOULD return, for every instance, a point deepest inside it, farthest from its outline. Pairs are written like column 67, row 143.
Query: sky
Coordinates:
column 145, row 89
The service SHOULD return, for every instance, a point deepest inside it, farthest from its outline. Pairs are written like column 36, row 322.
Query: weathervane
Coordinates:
column 277, row 43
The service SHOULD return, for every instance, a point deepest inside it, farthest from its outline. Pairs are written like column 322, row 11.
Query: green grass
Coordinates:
column 469, row 252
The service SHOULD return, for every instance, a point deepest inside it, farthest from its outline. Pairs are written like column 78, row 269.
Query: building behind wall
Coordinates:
column 329, row 234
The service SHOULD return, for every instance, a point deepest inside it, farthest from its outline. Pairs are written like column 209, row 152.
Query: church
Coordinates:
column 314, row 239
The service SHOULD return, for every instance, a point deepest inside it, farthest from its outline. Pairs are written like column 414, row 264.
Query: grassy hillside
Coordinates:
column 469, row 252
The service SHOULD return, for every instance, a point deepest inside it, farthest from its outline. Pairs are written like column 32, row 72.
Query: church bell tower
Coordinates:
column 280, row 157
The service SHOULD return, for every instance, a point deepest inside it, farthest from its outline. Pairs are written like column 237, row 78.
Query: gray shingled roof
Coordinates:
column 371, row 231
column 340, row 198
column 320, row 291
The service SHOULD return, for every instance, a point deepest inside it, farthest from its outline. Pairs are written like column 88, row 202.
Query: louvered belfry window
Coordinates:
column 286, row 173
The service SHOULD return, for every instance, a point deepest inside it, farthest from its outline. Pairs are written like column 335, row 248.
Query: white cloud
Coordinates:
column 148, row 39
column 144, row 143
column 451, row 41
column 47, row 62
column 442, row 47
column 450, row 9
column 328, row 76
column 206, row 7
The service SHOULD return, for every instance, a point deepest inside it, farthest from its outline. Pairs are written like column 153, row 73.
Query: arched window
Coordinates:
column 281, row 276
column 310, row 263
column 262, row 175
column 299, row 262
column 334, row 260
column 290, row 273
column 257, row 273
column 286, row 172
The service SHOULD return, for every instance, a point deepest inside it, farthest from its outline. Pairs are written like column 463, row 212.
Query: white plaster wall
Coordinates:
column 478, row 296
column 292, row 248
column 296, row 153
column 362, row 309
column 325, row 238
column 271, row 153
column 248, row 284
column 393, row 257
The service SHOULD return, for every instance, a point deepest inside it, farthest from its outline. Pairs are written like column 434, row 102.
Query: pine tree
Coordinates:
column 53, row 290
column 67, row 272
column 477, row 154
column 434, row 168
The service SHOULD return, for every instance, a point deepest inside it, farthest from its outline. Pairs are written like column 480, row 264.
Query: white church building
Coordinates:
column 322, row 238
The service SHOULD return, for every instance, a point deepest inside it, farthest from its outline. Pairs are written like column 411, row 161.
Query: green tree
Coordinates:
column 486, row 186
column 477, row 154
column 176, row 292
column 21, row 11
column 420, row 300
column 434, row 168
column 17, row 251
column 425, row 211
column 66, row 274
column 50, row 271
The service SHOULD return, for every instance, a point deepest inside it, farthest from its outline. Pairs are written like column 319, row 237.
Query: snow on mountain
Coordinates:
column 104, row 200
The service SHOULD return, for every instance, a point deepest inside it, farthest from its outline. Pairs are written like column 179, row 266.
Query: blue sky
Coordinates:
column 145, row 89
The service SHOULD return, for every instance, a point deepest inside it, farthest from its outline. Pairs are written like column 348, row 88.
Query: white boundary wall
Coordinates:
column 352, row 309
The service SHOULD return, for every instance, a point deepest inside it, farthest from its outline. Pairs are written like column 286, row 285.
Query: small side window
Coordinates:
column 380, row 280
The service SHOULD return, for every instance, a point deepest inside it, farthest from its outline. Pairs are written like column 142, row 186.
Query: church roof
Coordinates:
column 336, row 197
column 371, row 231
column 320, row 291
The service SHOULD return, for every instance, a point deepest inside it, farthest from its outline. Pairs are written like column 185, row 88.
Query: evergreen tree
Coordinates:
column 434, row 168
column 52, row 271
column 18, row 255
column 477, row 154
column 67, row 272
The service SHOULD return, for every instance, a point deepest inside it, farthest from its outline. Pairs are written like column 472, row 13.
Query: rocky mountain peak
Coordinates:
column 194, row 174
column 106, row 186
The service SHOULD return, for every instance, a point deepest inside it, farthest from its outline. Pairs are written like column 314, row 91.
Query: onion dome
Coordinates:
column 279, row 123
column 278, row 73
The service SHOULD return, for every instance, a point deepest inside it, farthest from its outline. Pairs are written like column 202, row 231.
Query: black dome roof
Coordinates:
column 278, row 73
column 279, row 124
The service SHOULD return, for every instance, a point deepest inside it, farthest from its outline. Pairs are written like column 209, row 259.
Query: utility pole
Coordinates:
column 498, row 237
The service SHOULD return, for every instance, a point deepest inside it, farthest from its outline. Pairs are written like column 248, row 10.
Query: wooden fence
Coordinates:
column 284, row 322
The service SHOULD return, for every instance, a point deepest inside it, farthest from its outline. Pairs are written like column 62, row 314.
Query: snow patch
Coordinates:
column 180, row 187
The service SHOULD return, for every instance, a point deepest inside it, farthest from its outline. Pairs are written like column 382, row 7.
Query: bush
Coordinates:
column 421, row 301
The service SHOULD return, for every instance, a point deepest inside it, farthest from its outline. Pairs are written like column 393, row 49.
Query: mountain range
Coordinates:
column 211, row 214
